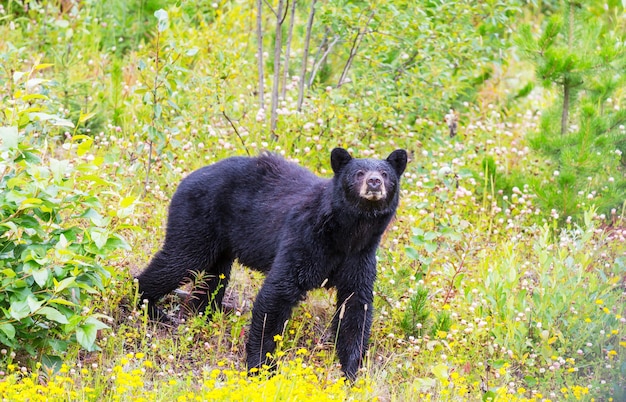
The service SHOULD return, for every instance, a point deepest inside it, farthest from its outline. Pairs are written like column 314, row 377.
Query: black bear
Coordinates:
column 303, row 231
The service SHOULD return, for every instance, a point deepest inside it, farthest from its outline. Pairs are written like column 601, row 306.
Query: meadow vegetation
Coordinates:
column 503, row 276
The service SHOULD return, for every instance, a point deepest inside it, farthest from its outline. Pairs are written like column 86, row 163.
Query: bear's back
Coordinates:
column 276, row 169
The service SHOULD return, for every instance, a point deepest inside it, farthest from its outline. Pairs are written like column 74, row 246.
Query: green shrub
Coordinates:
column 543, row 299
column 53, row 233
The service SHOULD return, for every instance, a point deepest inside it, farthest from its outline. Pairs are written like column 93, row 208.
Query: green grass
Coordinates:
column 480, row 293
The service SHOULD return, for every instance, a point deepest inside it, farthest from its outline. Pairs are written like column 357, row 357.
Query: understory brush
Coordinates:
column 482, row 293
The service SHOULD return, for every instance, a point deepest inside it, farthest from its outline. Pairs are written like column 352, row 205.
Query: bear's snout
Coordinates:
column 374, row 182
column 373, row 187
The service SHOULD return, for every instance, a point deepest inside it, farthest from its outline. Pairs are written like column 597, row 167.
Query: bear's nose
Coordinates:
column 374, row 181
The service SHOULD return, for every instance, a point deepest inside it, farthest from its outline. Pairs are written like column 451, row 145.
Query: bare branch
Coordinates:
column 305, row 55
column 355, row 46
column 288, row 49
column 282, row 20
column 236, row 132
column 276, row 83
column 271, row 8
column 259, row 33
column 321, row 61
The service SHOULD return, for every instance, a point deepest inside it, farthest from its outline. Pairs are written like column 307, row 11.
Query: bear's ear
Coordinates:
column 398, row 159
column 339, row 158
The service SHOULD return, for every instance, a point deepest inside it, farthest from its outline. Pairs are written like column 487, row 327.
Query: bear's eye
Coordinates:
column 360, row 174
column 384, row 174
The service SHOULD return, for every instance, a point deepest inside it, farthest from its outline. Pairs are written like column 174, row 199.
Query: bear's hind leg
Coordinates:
column 210, row 286
column 167, row 270
column 159, row 278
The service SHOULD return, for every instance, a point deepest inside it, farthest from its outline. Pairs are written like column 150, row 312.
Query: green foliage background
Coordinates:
column 502, row 277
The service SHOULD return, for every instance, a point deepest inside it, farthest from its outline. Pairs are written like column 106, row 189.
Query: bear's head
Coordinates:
column 369, row 184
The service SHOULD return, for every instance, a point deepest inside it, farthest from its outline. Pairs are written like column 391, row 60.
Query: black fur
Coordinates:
column 301, row 230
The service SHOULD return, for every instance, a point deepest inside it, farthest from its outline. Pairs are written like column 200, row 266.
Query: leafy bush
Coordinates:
column 543, row 300
column 53, row 234
column 419, row 59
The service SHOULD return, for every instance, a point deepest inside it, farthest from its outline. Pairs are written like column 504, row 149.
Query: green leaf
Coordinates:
column 33, row 82
column 63, row 284
column 531, row 381
column 489, row 396
column 163, row 19
column 53, row 119
column 99, row 236
column 30, row 203
column 158, row 109
column 9, row 137
column 430, row 236
column 51, row 363
column 116, row 242
column 95, row 217
column 498, row 364
column 17, row 75
column 430, row 247
column 41, row 276
column 33, row 304
column 450, row 233
column 59, row 169
column 85, row 116
column 84, row 145
column 411, row 253
column 440, row 371
column 62, row 302
column 8, row 329
column 19, row 309
column 512, row 275
column 127, row 201
column 458, row 281
column 86, row 333
column 42, row 66
column 53, row 314
column 9, row 273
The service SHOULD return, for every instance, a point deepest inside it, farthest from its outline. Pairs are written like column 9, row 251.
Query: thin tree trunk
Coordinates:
column 355, row 46
column 305, row 55
column 566, row 81
column 288, row 49
column 259, row 35
column 277, row 51
column 565, row 112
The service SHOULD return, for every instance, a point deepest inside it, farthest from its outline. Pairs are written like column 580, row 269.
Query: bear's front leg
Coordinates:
column 352, row 324
column 272, row 308
column 353, row 320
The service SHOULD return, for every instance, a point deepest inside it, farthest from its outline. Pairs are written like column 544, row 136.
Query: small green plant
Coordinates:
column 441, row 324
column 416, row 318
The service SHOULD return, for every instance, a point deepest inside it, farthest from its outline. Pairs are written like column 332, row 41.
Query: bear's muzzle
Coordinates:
column 373, row 187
